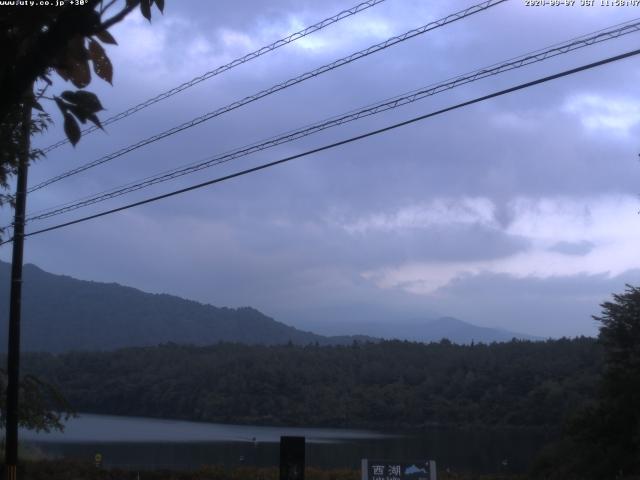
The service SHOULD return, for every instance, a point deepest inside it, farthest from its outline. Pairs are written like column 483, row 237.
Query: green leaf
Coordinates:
column 71, row 129
column 76, row 63
column 96, row 121
column 106, row 37
column 80, row 74
column 80, row 113
column 101, row 63
column 69, row 96
column 145, row 8
column 160, row 4
column 63, row 73
column 82, row 104
column 61, row 105
column 87, row 100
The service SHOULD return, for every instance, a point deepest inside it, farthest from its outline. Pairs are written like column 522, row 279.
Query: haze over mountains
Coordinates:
column 426, row 330
column 61, row 313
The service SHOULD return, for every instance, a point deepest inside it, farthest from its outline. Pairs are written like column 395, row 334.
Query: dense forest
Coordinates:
column 387, row 384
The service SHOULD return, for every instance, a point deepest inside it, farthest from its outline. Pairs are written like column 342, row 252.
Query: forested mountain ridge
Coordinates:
column 390, row 384
column 61, row 313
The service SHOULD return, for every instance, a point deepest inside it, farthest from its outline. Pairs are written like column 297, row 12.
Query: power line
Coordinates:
column 535, row 56
column 339, row 143
column 276, row 88
column 395, row 102
column 223, row 68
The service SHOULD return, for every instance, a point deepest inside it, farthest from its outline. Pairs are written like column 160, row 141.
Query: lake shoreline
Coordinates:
column 388, row 429
column 152, row 443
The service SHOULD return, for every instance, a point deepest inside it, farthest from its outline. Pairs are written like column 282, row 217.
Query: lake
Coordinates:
column 146, row 443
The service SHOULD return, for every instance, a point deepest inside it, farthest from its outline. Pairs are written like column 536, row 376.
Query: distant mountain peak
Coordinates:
column 425, row 329
column 460, row 331
column 63, row 313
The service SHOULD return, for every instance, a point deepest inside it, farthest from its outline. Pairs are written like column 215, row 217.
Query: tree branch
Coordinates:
column 117, row 18
column 107, row 7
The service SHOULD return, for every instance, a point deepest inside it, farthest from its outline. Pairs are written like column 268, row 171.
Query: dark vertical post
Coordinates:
column 13, row 355
column 292, row 458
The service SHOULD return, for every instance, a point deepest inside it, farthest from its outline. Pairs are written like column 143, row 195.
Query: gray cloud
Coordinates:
column 268, row 239
column 573, row 248
column 554, row 306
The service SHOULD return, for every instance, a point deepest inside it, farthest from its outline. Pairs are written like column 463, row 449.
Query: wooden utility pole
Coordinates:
column 13, row 355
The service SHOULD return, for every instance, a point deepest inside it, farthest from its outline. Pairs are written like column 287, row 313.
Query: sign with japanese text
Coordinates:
column 398, row 470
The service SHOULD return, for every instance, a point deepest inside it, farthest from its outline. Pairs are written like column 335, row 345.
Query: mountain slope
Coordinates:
column 61, row 313
column 463, row 332
column 427, row 330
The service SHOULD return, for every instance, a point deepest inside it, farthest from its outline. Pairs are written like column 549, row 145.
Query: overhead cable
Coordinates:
column 337, row 144
column 275, row 88
column 223, row 68
column 382, row 106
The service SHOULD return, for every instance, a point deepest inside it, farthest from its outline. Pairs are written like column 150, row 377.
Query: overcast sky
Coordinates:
column 520, row 212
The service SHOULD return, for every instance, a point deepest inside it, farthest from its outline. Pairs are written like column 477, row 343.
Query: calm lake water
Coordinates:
column 151, row 443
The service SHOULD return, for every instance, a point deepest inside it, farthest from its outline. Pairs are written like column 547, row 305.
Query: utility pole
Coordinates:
column 13, row 355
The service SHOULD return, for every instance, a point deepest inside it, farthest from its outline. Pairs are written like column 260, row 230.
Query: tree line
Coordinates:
column 392, row 384
column 587, row 390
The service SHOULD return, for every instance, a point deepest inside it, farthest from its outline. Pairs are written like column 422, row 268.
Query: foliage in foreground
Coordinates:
column 603, row 441
column 42, row 406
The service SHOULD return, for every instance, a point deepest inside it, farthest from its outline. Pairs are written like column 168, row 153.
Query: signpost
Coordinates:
column 398, row 470
column 292, row 450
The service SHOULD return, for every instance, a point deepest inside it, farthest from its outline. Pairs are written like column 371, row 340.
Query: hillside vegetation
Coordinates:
column 388, row 384
column 61, row 313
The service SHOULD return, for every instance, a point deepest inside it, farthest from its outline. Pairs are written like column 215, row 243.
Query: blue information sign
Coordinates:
column 398, row 470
